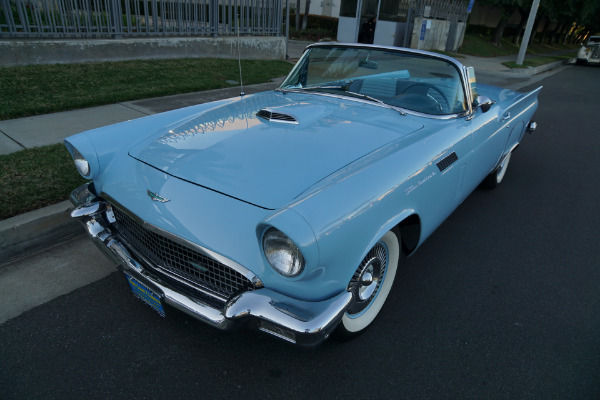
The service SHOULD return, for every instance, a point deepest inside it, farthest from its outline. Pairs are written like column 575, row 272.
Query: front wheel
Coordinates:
column 494, row 179
column 371, row 284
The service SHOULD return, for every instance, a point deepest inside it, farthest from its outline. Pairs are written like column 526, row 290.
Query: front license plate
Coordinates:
column 146, row 295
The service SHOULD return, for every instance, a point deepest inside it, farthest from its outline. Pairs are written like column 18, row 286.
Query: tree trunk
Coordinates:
column 521, row 26
column 499, row 32
column 297, row 15
column 305, row 19
column 545, row 31
column 555, row 33
column 563, row 34
column 536, row 26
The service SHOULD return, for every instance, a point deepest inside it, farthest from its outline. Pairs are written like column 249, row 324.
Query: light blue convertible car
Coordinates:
column 288, row 211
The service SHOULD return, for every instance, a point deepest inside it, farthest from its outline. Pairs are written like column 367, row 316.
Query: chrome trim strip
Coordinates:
column 309, row 322
column 459, row 66
column 209, row 253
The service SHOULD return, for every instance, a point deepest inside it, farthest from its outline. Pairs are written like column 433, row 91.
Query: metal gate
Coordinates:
column 131, row 18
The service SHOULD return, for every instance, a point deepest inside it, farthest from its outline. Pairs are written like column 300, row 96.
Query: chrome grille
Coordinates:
column 199, row 269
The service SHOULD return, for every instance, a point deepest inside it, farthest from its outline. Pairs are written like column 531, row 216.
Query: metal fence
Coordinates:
column 442, row 9
column 135, row 18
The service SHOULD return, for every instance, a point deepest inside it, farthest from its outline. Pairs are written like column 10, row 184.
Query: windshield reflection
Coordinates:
column 415, row 82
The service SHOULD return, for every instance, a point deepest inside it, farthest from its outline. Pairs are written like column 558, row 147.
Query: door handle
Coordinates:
column 506, row 116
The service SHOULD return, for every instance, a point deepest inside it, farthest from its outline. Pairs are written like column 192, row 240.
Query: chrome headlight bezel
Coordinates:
column 84, row 155
column 282, row 253
column 82, row 165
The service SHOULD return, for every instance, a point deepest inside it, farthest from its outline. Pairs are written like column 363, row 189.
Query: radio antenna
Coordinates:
column 239, row 57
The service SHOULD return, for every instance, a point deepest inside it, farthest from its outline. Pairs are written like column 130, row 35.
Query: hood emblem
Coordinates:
column 157, row 197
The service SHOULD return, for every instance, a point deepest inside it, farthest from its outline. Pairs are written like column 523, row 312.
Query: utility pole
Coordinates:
column 287, row 30
column 527, row 33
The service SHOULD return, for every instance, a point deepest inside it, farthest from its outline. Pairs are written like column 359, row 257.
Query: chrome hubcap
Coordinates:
column 368, row 278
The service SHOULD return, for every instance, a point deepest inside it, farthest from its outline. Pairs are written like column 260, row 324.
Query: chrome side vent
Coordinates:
column 270, row 115
column 447, row 161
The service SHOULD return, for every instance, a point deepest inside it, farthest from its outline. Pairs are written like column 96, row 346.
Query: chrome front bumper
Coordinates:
column 301, row 322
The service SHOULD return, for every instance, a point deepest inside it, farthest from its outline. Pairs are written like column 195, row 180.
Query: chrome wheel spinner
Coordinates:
column 368, row 278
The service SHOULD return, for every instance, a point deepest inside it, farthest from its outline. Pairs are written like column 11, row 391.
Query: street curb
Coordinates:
column 35, row 230
column 541, row 68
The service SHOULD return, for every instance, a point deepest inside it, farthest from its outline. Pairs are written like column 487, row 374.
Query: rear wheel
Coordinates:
column 371, row 284
column 494, row 179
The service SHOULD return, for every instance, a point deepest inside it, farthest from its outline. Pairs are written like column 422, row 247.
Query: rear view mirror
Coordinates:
column 483, row 102
column 368, row 64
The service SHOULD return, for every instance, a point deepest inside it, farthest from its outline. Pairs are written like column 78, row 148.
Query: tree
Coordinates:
column 305, row 18
column 508, row 8
column 524, row 15
column 562, row 20
column 297, row 15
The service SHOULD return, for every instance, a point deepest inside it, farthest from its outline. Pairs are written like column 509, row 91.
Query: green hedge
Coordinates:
column 319, row 22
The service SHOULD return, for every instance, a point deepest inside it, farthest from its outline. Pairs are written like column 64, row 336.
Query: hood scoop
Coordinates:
column 273, row 116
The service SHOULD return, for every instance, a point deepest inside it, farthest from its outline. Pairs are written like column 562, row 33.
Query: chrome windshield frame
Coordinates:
column 461, row 69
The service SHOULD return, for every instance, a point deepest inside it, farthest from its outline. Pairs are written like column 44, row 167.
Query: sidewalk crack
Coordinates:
column 136, row 108
column 14, row 140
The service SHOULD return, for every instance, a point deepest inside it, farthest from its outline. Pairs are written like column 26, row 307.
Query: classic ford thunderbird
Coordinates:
column 288, row 211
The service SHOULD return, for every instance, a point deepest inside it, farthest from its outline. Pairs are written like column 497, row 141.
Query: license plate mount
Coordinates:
column 146, row 294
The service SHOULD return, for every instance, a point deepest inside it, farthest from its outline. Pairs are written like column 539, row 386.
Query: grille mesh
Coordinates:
column 182, row 261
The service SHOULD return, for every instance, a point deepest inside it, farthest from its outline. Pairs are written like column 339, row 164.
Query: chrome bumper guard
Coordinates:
column 303, row 323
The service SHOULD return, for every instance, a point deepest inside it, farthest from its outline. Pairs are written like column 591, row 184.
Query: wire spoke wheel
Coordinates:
column 371, row 284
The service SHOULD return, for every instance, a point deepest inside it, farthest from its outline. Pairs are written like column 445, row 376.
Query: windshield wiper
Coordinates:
column 345, row 92
column 376, row 100
column 310, row 88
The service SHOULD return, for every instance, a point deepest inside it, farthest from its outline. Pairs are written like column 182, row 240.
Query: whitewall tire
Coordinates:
column 372, row 284
column 496, row 177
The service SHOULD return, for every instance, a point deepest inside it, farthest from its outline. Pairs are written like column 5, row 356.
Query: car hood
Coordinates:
column 268, row 163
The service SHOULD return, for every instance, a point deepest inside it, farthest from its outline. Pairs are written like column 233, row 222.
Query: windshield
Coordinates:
column 410, row 81
column 593, row 40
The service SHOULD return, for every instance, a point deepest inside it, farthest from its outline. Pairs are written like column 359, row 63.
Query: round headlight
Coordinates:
column 283, row 255
column 81, row 163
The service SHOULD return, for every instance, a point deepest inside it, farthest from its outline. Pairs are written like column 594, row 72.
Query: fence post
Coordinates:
column 213, row 18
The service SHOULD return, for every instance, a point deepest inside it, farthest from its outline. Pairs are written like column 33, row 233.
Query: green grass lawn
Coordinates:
column 479, row 45
column 42, row 89
column 34, row 178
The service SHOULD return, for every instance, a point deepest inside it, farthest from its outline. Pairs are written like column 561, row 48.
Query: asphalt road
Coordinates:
column 501, row 302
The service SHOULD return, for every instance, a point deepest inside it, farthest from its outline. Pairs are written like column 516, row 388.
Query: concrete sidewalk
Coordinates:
column 30, row 232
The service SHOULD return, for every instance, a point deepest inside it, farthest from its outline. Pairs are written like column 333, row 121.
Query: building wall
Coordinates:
column 433, row 35
column 24, row 52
